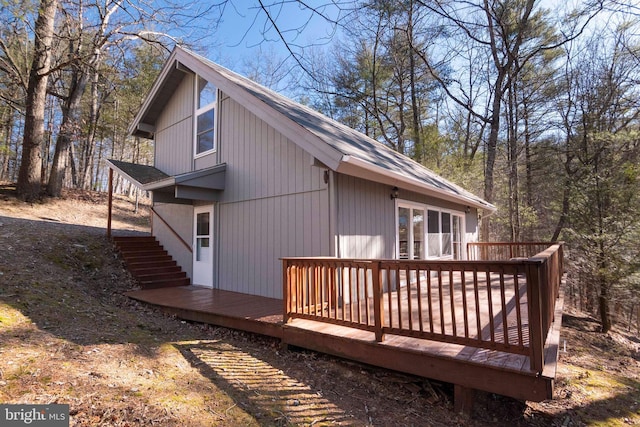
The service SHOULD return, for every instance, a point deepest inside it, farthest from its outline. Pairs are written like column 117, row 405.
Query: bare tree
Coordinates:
column 29, row 177
column 501, row 28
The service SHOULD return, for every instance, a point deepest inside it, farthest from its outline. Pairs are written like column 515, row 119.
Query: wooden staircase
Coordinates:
column 149, row 263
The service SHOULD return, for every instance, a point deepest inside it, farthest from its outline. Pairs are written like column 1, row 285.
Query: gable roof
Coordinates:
column 337, row 146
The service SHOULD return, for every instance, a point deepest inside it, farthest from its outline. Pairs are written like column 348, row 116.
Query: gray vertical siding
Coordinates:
column 174, row 155
column 174, row 132
column 181, row 219
column 366, row 219
column 471, row 227
column 275, row 204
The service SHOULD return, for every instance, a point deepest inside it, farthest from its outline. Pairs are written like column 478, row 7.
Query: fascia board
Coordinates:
column 160, row 184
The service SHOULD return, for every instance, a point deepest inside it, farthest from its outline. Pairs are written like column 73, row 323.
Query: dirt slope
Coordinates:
column 68, row 335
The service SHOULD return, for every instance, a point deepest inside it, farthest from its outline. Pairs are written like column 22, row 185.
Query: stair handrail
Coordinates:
column 174, row 232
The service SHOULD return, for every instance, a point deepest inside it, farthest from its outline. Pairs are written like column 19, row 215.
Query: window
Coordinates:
column 456, row 235
column 205, row 135
column 202, row 236
column 433, row 224
column 444, row 232
column 410, row 232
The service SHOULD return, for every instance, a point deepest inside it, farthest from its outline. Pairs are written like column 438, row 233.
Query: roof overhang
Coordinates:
column 163, row 88
column 204, row 184
column 362, row 169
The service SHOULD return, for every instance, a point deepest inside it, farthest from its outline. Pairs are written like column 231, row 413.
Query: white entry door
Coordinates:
column 203, row 245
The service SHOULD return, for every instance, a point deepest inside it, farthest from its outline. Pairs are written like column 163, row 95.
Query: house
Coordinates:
column 309, row 231
column 247, row 176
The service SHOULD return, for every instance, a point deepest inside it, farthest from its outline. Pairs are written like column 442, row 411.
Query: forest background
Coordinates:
column 532, row 105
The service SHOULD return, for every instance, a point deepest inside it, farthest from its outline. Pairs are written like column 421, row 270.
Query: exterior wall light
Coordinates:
column 394, row 193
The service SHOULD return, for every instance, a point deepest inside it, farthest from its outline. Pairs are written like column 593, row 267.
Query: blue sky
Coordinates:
column 245, row 30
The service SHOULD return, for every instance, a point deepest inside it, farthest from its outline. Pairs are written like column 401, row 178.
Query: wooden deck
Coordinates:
column 482, row 369
column 481, row 325
column 234, row 310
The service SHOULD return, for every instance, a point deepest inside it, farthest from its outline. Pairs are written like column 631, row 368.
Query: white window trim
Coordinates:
column 415, row 205
column 196, row 112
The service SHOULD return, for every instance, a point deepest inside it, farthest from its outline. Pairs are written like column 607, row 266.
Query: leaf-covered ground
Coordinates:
column 68, row 335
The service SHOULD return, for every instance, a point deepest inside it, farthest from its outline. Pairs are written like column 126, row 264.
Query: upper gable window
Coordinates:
column 205, row 135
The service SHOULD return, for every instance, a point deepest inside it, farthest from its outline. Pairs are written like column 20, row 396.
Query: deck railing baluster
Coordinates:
column 358, row 310
column 476, row 294
column 430, row 303
column 324, row 283
column 463, row 284
column 492, row 326
column 441, row 300
column 308, row 288
column 343, row 288
column 366, row 293
column 399, row 294
column 454, row 329
column 503, row 301
column 419, row 296
column 409, row 305
column 516, row 290
column 389, row 299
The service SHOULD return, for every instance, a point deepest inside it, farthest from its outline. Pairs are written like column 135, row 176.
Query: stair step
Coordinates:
column 154, row 284
column 138, row 245
column 137, row 252
column 133, row 239
column 149, row 262
column 146, row 258
column 155, row 269
column 150, row 265
column 161, row 276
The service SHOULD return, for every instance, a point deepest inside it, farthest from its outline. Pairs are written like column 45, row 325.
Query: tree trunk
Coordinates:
column 94, row 113
column 68, row 129
column 28, row 186
column 4, row 172
column 491, row 148
column 603, row 306
column 419, row 152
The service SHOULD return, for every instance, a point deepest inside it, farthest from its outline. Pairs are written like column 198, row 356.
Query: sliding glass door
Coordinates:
column 438, row 234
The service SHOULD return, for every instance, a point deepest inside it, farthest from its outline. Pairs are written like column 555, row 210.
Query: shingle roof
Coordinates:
column 338, row 146
column 141, row 174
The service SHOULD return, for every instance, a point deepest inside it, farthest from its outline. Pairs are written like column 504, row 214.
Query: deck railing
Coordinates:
column 497, row 305
column 500, row 251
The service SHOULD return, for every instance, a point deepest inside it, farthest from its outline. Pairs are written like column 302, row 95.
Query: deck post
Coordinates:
column 378, row 308
column 534, row 302
column 463, row 399
column 286, row 294
column 110, row 203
